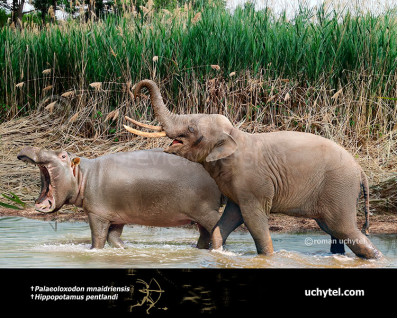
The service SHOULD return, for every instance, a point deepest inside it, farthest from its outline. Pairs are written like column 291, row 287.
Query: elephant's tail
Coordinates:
column 365, row 189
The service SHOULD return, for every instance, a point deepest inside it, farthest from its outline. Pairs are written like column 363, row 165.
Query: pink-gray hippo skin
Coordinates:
column 294, row 173
column 149, row 188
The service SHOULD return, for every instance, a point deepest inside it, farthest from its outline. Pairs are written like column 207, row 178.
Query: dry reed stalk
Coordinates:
column 50, row 107
column 74, row 117
column 197, row 18
column 46, row 71
column 47, row 88
column 215, row 67
column 112, row 115
column 68, row 94
column 96, row 85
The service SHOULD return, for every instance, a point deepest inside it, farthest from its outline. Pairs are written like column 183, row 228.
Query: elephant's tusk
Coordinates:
column 145, row 134
column 151, row 127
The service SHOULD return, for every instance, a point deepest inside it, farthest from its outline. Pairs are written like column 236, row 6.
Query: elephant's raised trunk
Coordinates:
column 164, row 116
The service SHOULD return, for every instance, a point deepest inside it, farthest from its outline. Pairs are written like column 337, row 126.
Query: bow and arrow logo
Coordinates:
column 152, row 294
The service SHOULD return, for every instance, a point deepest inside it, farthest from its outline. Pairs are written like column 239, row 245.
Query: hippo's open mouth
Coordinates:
column 45, row 202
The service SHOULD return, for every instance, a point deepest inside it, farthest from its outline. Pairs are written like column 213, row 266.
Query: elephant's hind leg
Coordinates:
column 115, row 231
column 348, row 233
column 361, row 245
column 337, row 206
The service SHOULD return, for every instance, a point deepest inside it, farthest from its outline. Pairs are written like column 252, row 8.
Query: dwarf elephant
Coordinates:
column 294, row 173
column 148, row 188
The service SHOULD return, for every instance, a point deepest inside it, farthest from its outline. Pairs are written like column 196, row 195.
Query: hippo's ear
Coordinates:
column 75, row 161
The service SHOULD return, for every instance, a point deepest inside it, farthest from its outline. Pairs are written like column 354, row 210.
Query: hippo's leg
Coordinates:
column 229, row 221
column 204, row 238
column 99, row 230
column 115, row 231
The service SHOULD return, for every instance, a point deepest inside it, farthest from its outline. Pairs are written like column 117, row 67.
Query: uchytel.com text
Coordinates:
column 334, row 292
column 75, row 293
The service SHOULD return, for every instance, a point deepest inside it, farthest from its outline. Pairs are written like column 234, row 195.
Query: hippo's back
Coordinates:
column 151, row 187
column 157, row 165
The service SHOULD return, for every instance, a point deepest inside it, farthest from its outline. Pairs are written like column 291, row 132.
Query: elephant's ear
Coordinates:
column 225, row 147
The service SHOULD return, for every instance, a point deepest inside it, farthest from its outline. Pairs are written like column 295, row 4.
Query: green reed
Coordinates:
column 315, row 49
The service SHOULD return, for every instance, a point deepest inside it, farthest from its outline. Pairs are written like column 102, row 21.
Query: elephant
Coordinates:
column 294, row 173
column 150, row 188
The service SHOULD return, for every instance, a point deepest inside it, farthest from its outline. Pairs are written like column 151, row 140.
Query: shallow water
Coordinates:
column 31, row 243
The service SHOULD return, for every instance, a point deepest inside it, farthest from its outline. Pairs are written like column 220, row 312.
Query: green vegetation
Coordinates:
column 14, row 199
column 249, row 65
column 3, row 18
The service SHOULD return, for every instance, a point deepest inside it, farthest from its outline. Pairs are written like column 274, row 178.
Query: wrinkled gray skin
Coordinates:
column 298, row 174
column 149, row 188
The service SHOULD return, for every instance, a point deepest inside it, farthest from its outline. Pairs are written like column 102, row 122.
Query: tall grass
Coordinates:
column 323, row 71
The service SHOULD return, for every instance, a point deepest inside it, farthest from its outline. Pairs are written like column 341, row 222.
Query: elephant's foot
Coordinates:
column 360, row 245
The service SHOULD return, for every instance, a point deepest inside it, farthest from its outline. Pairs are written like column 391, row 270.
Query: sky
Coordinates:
column 375, row 6
column 291, row 6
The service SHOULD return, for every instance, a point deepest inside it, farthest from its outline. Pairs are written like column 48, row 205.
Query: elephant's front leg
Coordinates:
column 115, row 231
column 99, row 230
column 255, row 217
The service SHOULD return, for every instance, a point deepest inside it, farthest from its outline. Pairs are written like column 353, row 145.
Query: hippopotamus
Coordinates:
column 148, row 187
